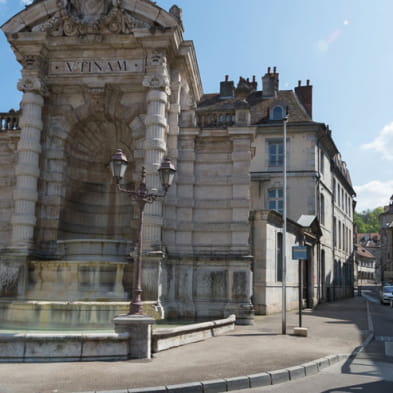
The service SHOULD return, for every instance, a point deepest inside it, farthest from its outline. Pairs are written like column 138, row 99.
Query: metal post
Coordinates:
column 136, row 305
column 300, row 292
column 284, row 229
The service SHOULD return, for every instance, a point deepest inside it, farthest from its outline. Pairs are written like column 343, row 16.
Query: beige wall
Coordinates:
column 8, row 144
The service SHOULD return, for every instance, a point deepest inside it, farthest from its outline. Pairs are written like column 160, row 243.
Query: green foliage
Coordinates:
column 368, row 220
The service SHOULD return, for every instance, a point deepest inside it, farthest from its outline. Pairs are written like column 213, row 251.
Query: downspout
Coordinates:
column 318, row 201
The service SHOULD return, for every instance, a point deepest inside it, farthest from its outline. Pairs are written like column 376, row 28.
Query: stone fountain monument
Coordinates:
column 98, row 75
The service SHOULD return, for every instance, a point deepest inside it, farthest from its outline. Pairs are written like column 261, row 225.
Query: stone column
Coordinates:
column 157, row 80
column 29, row 149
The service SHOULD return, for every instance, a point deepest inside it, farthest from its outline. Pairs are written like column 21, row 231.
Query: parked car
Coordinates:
column 386, row 294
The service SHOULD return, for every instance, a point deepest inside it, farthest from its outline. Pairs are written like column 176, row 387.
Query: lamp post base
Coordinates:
column 300, row 331
column 139, row 329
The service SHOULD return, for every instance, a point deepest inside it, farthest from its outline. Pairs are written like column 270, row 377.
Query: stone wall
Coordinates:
column 8, row 144
column 205, row 288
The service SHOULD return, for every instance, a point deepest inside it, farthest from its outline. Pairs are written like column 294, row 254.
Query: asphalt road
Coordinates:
column 371, row 371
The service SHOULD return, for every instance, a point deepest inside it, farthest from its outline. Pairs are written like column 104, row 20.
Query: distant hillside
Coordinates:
column 368, row 220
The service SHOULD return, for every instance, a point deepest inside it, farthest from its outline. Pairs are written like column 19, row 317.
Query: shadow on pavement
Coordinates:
column 371, row 387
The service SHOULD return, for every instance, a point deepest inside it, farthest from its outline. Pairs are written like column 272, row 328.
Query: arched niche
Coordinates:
column 92, row 208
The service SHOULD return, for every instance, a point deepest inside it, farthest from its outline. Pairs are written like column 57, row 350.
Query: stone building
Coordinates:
column 101, row 75
column 372, row 243
column 365, row 271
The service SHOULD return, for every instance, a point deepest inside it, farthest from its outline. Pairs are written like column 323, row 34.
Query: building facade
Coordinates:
column 365, row 272
column 97, row 76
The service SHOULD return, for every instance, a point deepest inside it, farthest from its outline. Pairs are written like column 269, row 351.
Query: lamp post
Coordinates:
column 142, row 196
column 284, row 229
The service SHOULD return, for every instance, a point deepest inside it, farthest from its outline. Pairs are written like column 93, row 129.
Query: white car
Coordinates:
column 387, row 294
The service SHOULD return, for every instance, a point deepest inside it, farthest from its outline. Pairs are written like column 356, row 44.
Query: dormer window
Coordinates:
column 277, row 113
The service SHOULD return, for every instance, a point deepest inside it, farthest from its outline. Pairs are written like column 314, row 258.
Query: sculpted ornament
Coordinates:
column 91, row 17
column 32, row 85
column 90, row 10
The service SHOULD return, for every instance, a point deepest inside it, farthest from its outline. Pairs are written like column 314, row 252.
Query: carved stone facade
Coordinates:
column 105, row 74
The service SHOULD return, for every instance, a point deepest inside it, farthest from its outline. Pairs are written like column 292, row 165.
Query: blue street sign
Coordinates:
column 299, row 252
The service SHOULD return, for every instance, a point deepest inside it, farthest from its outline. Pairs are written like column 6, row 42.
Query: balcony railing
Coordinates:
column 9, row 121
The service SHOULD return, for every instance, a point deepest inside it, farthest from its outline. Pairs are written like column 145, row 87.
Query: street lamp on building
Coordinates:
column 142, row 196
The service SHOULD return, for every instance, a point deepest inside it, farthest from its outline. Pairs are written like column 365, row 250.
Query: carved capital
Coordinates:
column 158, row 82
column 31, row 84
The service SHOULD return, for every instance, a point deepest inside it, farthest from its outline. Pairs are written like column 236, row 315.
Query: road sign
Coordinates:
column 299, row 252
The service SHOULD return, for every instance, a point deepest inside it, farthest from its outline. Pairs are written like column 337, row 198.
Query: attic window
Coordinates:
column 277, row 113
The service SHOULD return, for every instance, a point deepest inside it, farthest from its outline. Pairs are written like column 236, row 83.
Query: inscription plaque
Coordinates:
column 94, row 66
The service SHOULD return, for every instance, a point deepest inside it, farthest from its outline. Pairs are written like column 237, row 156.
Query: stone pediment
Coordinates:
column 84, row 17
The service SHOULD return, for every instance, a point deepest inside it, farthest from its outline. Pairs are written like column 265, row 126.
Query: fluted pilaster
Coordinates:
column 27, row 168
column 155, row 146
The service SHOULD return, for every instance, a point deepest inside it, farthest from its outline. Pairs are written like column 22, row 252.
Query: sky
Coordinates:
column 344, row 47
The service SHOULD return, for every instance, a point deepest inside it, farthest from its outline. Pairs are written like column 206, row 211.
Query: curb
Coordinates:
column 243, row 382
column 256, row 380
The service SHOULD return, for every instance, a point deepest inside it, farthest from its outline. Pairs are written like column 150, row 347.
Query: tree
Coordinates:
column 368, row 220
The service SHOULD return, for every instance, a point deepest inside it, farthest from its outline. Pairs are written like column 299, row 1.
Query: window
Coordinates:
column 334, row 231
column 343, row 237
column 342, row 198
column 339, row 235
column 277, row 113
column 338, row 195
column 279, row 257
column 275, row 200
column 276, row 153
column 322, row 210
column 334, row 190
column 322, row 161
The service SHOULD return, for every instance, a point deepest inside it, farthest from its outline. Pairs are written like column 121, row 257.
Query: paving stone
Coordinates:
column 323, row 363
column 237, row 383
column 214, row 386
column 262, row 379
column 113, row 391
column 296, row 372
column 279, row 376
column 156, row 389
column 195, row 387
column 311, row 368
column 333, row 359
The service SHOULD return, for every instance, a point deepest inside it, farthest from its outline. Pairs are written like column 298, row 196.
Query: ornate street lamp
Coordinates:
column 142, row 196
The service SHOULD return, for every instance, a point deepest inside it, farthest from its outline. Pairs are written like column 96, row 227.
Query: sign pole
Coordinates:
column 300, row 292
column 284, row 232
column 300, row 253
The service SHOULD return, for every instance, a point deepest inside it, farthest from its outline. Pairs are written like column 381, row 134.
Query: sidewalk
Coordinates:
column 334, row 328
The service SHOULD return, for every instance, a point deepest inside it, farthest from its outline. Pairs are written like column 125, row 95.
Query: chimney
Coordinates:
column 245, row 87
column 270, row 83
column 227, row 88
column 304, row 93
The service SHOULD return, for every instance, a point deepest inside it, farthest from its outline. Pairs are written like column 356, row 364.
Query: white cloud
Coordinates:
column 373, row 194
column 3, row 1
column 27, row 2
column 383, row 143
